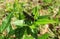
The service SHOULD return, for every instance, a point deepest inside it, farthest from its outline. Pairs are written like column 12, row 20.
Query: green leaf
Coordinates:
column 1, row 37
column 12, row 32
column 47, row 1
column 9, row 7
column 45, row 16
column 44, row 36
column 28, row 37
column 18, row 9
column 44, row 21
column 28, row 30
column 32, row 26
column 9, row 28
column 6, row 22
column 19, row 32
column 35, row 12
column 34, row 33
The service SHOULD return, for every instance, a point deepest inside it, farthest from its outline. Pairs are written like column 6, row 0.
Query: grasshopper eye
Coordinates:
column 5, row 15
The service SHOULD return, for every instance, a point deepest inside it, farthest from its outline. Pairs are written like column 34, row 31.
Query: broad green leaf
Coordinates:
column 44, row 36
column 44, row 21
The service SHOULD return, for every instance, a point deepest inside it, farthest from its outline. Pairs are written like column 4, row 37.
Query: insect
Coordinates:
column 5, row 15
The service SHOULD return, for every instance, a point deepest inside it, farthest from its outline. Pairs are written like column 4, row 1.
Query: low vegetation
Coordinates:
column 33, row 19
